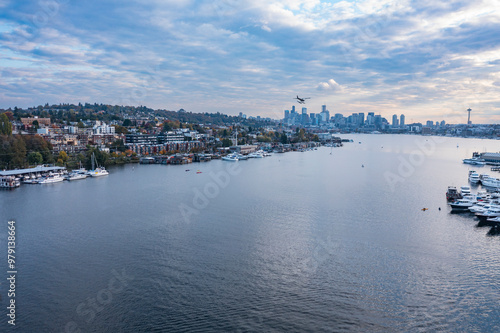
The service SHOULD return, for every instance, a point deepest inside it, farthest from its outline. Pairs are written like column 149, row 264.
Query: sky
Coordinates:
column 429, row 60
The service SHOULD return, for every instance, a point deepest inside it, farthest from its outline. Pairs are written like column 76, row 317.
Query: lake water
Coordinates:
column 318, row 241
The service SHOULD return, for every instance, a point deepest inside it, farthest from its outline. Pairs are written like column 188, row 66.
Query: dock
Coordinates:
column 20, row 173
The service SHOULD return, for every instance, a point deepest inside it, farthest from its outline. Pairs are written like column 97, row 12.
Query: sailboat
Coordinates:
column 97, row 171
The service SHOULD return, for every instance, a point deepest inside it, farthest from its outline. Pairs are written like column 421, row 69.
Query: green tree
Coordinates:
column 18, row 153
column 36, row 125
column 284, row 138
column 227, row 142
column 80, row 125
column 127, row 122
column 35, row 158
column 5, row 125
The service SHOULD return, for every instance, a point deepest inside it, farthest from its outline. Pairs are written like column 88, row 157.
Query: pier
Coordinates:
column 20, row 173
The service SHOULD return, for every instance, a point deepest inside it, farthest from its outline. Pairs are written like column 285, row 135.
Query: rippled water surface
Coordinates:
column 320, row 241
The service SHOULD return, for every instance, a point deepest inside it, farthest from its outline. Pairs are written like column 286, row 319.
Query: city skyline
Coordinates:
column 428, row 61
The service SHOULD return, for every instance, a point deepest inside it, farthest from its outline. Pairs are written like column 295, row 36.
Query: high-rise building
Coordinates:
column 361, row 119
column 323, row 108
column 287, row 114
column 304, row 110
column 370, row 118
column 395, row 121
column 402, row 120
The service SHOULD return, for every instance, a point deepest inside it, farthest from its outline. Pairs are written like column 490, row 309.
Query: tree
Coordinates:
column 127, row 122
column 80, row 125
column 120, row 129
column 5, row 125
column 63, row 156
column 284, row 138
column 226, row 142
column 36, row 125
column 35, row 158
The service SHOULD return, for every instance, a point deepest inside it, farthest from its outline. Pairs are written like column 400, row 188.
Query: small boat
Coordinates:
column 474, row 161
column 51, row 178
column 241, row 157
column 461, row 204
column 75, row 176
column 256, row 155
column 230, row 158
column 198, row 171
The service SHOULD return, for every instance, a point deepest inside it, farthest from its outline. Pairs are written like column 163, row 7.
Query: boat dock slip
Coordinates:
column 495, row 168
column 38, row 169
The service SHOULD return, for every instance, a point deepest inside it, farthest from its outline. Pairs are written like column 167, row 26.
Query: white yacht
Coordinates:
column 75, row 176
column 241, row 157
column 473, row 177
column 51, row 178
column 490, row 213
column 491, row 182
column 465, row 190
column 256, row 155
column 462, row 204
column 231, row 158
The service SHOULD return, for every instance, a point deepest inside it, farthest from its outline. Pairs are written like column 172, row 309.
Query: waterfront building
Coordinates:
column 402, row 120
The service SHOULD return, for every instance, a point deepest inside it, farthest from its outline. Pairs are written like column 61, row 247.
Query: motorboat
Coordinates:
column 480, row 208
column 241, row 157
column 452, row 194
column 75, row 176
column 465, row 190
column 51, row 178
column 256, row 155
column 491, row 182
column 474, row 161
column 461, row 204
column 231, row 158
column 474, row 177
column 490, row 213
column 483, row 177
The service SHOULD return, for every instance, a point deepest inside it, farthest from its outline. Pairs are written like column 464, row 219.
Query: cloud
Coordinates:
column 402, row 55
column 330, row 85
